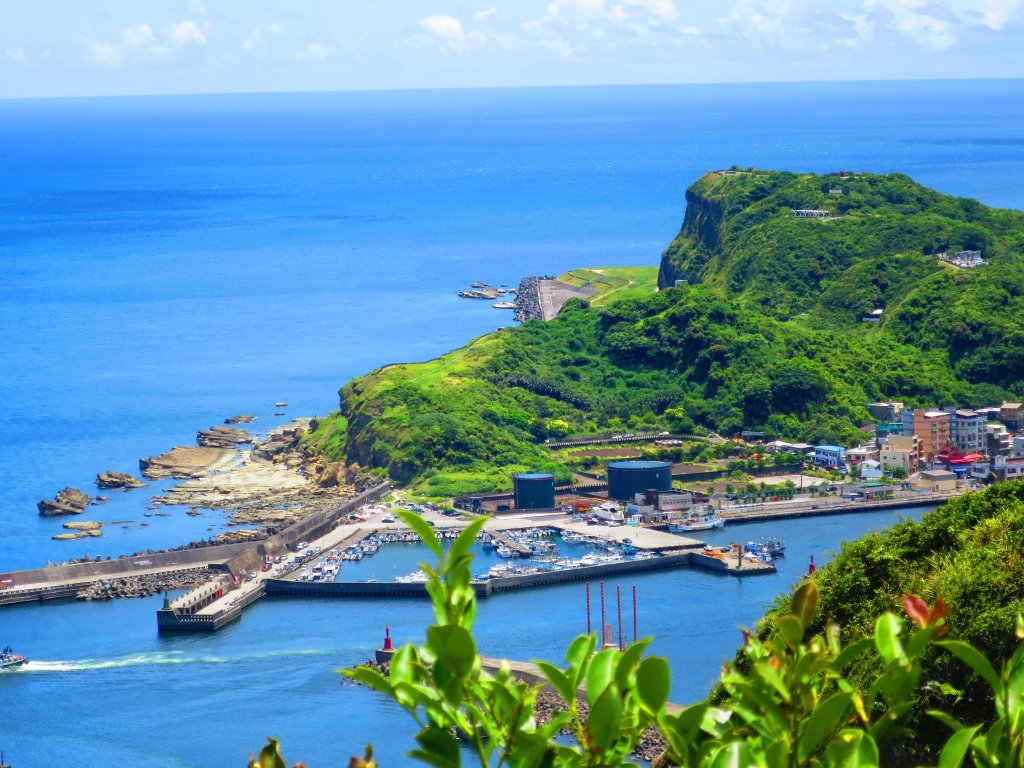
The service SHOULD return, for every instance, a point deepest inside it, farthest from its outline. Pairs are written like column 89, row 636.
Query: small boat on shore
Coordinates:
column 11, row 660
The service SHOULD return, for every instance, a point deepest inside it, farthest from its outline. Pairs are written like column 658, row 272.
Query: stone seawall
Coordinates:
column 527, row 303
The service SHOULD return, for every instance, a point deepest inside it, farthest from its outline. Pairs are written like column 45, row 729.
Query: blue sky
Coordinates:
column 74, row 48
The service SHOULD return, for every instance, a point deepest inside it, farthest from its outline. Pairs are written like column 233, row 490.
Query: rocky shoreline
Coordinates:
column 275, row 483
column 263, row 482
column 145, row 585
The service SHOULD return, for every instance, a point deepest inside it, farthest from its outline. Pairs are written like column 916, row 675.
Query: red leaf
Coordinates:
column 917, row 609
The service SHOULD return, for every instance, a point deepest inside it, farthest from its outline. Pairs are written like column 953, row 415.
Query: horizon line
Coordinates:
column 549, row 86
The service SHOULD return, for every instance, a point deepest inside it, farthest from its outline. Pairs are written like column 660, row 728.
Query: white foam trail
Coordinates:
column 155, row 658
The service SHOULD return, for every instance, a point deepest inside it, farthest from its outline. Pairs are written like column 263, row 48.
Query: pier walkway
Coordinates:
column 781, row 510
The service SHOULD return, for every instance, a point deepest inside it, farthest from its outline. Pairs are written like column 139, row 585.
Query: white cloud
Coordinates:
column 445, row 27
column 251, row 41
column 104, row 54
column 274, row 28
column 185, row 32
column 663, row 9
column 481, row 16
column 314, row 53
column 996, row 13
column 138, row 36
column 938, row 24
column 448, row 31
column 16, row 54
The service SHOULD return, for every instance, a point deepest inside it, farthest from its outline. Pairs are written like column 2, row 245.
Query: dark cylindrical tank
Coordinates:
column 628, row 478
column 534, row 490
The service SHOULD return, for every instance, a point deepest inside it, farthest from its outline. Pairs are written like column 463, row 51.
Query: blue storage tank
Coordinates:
column 628, row 478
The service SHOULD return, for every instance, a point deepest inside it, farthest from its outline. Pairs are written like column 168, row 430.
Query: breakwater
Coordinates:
column 527, row 303
column 487, row 587
column 773, row 511
column 67, row 581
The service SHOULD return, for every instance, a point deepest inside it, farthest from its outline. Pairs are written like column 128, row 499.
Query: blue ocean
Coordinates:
column 168, row 262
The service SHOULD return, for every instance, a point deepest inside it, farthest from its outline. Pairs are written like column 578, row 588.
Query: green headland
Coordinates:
column 786, row 303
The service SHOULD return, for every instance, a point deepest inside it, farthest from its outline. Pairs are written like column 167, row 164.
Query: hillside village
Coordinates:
column 940, row 448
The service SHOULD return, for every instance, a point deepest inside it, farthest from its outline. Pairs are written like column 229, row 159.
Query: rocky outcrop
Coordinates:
column 84, row 525
column 222, row 437
column 241, row 418
column 185, row 462
column 118, row 480
column 80, row 530
column 278, row 445
column 69, row 501
column 143, row 586
column 332, row 475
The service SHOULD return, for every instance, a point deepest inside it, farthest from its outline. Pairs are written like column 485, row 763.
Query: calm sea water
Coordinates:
column 168, row 262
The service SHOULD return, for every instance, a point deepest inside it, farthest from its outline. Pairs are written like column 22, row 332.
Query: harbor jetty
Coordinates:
column 542, row 298
column 827, row 506
column 221, row 601
column 237, row 559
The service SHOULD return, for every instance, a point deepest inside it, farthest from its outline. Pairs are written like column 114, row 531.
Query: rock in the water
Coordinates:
column 118, row 480
column 69, row 501
column 241, row 418
column 69, row 536
column 185, row 461
column 222, row 437
column 84, row 525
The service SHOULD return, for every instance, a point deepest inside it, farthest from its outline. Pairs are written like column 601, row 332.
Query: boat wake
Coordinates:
column 156, row 658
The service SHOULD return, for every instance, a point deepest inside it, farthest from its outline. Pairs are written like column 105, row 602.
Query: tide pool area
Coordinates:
column 203, row 700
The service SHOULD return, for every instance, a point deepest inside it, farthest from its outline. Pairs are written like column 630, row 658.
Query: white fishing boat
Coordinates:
column 697, row 521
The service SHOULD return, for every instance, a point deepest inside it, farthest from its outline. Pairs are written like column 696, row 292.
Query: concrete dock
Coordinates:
column 827, row 506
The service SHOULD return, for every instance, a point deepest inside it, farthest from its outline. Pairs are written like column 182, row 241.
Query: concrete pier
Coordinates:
column 827, row 506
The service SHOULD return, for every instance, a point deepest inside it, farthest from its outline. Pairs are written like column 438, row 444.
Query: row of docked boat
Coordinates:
column 549, row 563
column 767, row 548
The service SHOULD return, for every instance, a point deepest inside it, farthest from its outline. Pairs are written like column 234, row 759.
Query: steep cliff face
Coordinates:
column 741, row 238
column 697, row 240
column 712, row 203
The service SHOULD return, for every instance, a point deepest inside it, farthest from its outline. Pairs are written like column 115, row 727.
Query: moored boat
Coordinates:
column 699, row 521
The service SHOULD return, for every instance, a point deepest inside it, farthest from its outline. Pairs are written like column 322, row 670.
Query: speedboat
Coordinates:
column 11, row 660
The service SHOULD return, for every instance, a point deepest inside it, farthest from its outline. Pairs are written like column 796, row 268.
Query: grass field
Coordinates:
column 614, row 283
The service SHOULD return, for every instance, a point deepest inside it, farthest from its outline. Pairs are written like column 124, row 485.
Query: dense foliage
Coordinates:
column 796, row 699
column 969, row 552
column 766, row 335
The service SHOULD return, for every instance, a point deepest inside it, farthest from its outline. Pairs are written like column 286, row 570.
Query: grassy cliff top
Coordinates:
column 767, row 333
